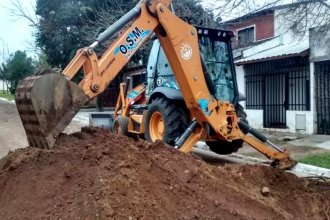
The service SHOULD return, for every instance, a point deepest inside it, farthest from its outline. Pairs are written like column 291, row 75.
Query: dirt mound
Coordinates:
column 96, row 175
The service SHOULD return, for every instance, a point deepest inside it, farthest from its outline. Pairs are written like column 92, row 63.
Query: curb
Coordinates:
column 7, row 101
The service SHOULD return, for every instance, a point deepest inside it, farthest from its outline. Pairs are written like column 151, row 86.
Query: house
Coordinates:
column 284, row 71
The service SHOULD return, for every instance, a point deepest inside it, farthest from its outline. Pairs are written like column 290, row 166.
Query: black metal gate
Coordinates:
column 274, row 101
column 322, row 96
column 278, row 86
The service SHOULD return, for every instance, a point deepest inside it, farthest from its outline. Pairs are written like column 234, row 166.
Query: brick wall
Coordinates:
column 264, row 26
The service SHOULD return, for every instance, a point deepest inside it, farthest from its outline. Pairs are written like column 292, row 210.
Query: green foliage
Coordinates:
column 67, row 25
column 6, row 95
column 321, row 160
column 59, row 32
column 17, row 67
column 42, row 63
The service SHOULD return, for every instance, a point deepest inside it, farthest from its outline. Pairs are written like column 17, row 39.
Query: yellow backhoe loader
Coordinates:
column 202, row 65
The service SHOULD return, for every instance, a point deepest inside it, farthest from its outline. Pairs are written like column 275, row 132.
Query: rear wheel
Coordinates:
column 224, row 147
column 120, row 125
column 165, row 120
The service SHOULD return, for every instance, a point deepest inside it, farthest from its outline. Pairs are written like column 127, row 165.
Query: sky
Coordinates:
column 15, row 33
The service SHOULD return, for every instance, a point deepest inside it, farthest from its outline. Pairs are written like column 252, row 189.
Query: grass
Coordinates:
column 320, row 160
column 6, row 95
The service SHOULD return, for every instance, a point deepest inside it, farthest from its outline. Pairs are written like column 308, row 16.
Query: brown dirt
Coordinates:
column 96, row 175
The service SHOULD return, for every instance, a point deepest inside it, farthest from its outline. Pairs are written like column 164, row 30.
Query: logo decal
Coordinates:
column 204, row 105
column 160, row 81
column 133, row 94
column 186, row 51
column 132, row 41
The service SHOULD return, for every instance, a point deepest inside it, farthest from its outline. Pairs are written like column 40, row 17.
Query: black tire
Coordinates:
column 174, row 115
column 120, row 125
column 224, row 147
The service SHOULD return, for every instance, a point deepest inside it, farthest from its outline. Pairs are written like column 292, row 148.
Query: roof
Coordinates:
column 279, row 52
column 269, row 9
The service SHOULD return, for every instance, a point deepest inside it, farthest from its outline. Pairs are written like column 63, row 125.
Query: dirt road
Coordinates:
column 12, row 134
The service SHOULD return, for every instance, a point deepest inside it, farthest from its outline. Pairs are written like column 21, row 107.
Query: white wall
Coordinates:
column 291, row 121
column 319, row 44
column 240, row 77
column 294, row 26
column 312, row 95
column 3, row 86
column 255, row 118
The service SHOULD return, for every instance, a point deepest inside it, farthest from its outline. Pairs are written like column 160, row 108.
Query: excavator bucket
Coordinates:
column 46, row 104
column 284, row 164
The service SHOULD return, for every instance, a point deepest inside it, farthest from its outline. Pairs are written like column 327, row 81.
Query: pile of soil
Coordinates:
column 96, row 175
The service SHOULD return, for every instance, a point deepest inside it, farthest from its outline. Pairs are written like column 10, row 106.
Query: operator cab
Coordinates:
column 217, row 61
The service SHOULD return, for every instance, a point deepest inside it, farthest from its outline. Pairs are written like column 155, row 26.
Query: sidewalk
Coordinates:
column 299, row 145
column 318, row 141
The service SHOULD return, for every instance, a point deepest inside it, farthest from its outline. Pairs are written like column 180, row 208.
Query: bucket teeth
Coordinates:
column 46, row 104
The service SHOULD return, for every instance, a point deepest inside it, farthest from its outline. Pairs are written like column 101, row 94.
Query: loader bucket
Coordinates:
column 46, row 104
column 101, row 119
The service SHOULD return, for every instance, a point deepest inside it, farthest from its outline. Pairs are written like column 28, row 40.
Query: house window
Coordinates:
column 245, row 36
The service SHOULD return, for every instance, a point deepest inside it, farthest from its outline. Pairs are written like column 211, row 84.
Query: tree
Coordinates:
column 17, row 67
column 193, row 12
column 230, row 9
column 67, row 25
column 302, row 14
column 59, row 34
column 41, row 63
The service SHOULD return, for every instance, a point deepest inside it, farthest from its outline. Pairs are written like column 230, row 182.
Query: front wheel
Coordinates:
column 165, row 120
column 120, row 125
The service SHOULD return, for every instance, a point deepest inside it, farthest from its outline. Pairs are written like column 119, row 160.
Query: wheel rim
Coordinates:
column 156, row 126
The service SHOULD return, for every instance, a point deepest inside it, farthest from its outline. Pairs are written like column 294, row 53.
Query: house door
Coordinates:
column 322, row 96
column 274, row 101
